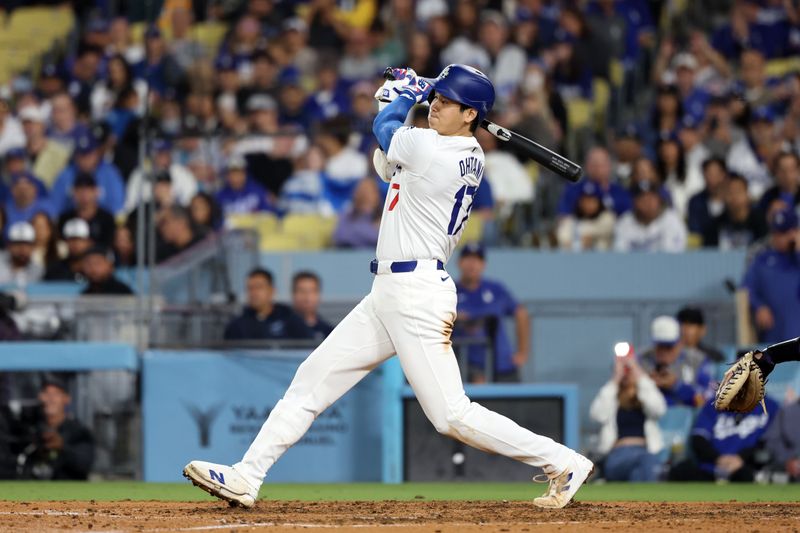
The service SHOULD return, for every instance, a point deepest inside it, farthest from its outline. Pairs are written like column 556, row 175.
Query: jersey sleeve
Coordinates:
column 411, row 148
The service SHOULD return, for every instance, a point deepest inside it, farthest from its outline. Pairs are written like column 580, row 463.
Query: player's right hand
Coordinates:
column 418, row 90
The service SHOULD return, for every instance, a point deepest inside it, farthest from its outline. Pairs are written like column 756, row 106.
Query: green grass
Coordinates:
column 124, row 490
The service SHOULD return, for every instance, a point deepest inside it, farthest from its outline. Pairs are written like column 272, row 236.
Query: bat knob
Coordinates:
column 387, row 74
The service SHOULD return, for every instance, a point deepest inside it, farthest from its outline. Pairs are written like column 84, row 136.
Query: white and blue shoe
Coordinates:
column 221, row 481
column 564, row 485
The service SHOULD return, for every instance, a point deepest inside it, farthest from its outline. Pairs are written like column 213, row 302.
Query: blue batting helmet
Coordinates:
column 466, row 85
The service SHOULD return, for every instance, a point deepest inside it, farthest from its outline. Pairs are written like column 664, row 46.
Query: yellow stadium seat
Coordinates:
column 602, row 98
column 778, row 68
column 210, row 35
column 473, row 232
column 313, row 232
column 695, row 241
column 137, row 32
column 265, row 224
column 281, row 242
column 579, row 113
column 616, row 72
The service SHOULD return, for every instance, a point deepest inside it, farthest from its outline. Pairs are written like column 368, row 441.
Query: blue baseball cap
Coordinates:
column 689, row 121
column 152, row 33
column 16, row 153
column 762, row 114
column 630, row 131
column 86, row 144
column 161, row 145
column 225, row 63
column 24, row 175
column 473, row 249
column 590, row 188
column 783, row 220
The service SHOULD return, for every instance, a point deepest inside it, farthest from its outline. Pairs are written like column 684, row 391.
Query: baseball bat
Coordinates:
column 547, row 158
column 544, row 156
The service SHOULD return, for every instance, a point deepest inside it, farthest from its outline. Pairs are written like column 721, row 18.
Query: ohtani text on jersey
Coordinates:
column 471, row 165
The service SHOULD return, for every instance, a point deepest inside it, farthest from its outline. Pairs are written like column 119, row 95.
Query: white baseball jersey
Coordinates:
column 430, row 194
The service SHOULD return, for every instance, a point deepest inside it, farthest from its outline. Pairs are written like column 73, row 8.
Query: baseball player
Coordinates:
column 433, row 176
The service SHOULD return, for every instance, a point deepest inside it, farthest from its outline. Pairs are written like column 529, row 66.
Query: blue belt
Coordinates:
column 401, row 266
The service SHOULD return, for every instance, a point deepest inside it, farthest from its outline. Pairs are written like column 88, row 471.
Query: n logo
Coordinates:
column 204, row 419
column 217, row 477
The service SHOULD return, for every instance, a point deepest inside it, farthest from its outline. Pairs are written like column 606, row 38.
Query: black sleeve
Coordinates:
column 296, row 328
column 77, row 456
column 232, row 330
column 711, row 235
column 703, row 449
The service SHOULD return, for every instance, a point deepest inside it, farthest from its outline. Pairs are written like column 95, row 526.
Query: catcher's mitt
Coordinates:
column 742, row 387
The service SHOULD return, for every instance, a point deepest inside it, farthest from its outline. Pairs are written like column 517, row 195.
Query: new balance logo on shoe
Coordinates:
column 217, row 477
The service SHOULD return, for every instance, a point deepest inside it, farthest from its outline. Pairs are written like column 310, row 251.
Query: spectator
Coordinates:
column 89, row 160
column 159, row 69
column 61, row 448
column 85, row 198
column 768, row 280
column 45, row 250
column 262, row 318
column 177, row 233
column 269, row 149
column 124, row 247
column 240, row 194
column 591, row 227
column 667, row 111
column 47, row 158
column 693, row 331
column 184, row 49
column 748, row 156
column 673, row 171
column 783, row 440
column 306, row 288
column 651, row 226
column 506, row 59
column 26, row 198
column 358, row 227
column 511, row 182
column 628, row 407
column 482, row 307
column 206, row 214
column 76, row 234
column 120, row 78
column 695, row 153
column 16, row 262
column 184, row 184
column 97, row 266
column 11, row 134
column 683, row 376
column 787, row 182
column 598, row 169
column 740, row 224
column 303, row 191
column 628, row 149
column 709, row 203
column 64, row 127
column 724, row 445
column 345, row 166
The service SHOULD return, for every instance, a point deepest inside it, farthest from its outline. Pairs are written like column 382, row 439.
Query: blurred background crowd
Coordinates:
column 685, row 115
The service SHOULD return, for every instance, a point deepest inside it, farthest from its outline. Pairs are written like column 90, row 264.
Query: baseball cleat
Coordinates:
column 564, row 486
column 221, row 481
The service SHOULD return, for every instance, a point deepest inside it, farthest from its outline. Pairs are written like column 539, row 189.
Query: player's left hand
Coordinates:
column 417, row 89
column 388, row 92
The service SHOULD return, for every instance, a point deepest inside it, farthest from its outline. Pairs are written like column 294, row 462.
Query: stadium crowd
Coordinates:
column 690, row 139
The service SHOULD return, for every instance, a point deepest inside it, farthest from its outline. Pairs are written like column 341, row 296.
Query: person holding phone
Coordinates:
column 628, row 408
column 684, row 377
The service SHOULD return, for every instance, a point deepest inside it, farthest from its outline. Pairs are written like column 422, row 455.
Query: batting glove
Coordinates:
column 388, row 92
column 417, row 90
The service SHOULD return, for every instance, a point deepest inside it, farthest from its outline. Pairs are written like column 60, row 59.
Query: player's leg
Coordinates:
column 419, row 321
column 357, row 345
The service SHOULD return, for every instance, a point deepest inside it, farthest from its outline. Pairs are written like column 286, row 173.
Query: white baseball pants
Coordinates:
column 410, row 314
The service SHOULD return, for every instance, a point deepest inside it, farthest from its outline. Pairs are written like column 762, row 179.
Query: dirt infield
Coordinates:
column 401, row 516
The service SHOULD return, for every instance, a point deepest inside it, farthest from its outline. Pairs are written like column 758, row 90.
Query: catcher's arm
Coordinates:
column 743, row 385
